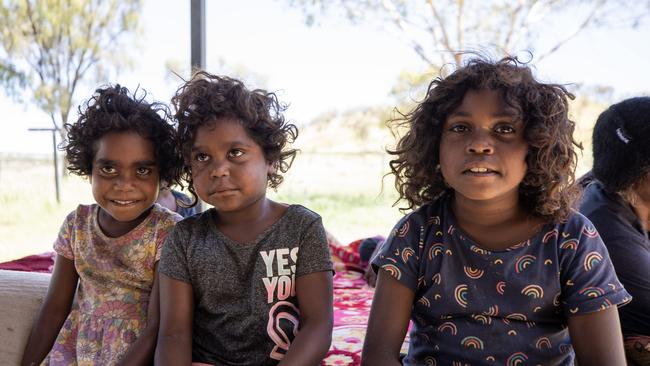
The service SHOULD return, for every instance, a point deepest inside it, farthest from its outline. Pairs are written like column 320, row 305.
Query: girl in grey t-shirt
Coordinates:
column 249, row 281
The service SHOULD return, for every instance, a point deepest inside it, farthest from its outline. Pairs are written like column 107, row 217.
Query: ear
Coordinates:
column 271, row 168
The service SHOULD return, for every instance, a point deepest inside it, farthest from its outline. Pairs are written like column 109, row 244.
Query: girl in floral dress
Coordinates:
column 97, row 310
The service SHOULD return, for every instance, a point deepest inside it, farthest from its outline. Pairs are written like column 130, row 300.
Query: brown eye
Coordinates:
column 107, row 170
column 143, row 171
column 235, row 153
column 504, row 129
column 201, row 157
column 458, row 128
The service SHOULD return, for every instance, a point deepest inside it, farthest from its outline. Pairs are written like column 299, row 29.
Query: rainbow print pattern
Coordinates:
column 533, row 291
column 592, row 259
column 473, row 273
column 507, row 307
column 523, row 262
column 460, row 293
column 472, row 342
column 516, row 359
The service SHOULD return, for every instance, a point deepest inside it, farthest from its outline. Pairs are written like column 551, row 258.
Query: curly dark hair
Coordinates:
column 114, row 109
column 206, row 98
column 547, row 190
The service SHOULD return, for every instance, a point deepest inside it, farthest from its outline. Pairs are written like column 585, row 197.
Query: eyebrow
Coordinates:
column 113, row 162
column 495, row 115
column 231, row 143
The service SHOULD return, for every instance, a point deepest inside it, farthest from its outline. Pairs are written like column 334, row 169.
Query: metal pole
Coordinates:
column 197, row 52
column 197, row 24
column 56, row 168
column 56, row 161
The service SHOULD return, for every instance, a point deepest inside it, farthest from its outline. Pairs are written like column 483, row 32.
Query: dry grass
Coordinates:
column 344, row 188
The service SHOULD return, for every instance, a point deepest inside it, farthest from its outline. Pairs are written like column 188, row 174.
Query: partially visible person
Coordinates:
column 176, row 201
column 249, row 281
column 111, row 248
column 617, row 200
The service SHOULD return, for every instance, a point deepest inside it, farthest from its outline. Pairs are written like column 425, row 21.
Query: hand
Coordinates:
column 370, row 276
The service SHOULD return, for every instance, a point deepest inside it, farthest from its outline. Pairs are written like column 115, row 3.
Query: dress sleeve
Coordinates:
column 173, row 260
column 398, row 255
column 588, row 279
column 163, row 231
column 314, row 253
column 63, row 243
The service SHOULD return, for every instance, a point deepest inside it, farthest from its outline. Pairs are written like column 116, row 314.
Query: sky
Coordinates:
column 334, row 66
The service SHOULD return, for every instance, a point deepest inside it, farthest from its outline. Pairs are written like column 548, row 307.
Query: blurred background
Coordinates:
column 343, row 68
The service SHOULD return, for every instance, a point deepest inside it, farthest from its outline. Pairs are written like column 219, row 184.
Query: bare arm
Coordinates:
column 141, row 351
column 54, row 311
column 388, row 322
column 597, row 338
column 313, row 340
column 176, row 313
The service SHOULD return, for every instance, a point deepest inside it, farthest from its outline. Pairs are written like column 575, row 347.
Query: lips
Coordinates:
column 124, row 202
column 479, row 169
column 222, row 190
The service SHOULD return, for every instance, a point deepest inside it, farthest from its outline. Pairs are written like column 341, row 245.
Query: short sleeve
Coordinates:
column 63, row 243
column 163, row 229
column 588, row 279
column 314, row 253
column 173, row 260
column 398, row 254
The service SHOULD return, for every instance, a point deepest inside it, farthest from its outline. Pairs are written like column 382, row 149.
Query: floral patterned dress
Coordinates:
column 115, row 281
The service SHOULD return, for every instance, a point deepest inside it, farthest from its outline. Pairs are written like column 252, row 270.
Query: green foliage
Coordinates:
column 48, row 46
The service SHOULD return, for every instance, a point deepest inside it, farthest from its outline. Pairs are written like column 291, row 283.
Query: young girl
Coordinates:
column 249, row 281
column 110, row 248
column 492, row 266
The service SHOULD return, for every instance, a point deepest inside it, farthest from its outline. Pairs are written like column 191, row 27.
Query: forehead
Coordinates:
column 124, row 147
column 223, row 131
column 484, row 101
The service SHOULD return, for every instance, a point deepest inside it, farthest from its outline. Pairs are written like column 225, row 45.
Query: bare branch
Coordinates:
column 436, row 15
column 581, row 27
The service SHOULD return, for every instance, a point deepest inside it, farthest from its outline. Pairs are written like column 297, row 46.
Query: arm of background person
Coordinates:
column 388, row 322
column 141, row 351
column 597, row 338
column 315, row 293
column 174, row 345
column 55, row 310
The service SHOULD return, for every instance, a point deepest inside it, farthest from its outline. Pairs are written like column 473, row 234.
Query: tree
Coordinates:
column 439, row 31
column 47, row 47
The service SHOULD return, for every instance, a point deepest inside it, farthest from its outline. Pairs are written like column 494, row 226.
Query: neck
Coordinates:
column 256, row 212
column 642, row 210
column 487, row 213
column 113, row 228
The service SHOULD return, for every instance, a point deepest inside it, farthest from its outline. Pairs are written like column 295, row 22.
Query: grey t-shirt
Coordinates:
column 245, row 305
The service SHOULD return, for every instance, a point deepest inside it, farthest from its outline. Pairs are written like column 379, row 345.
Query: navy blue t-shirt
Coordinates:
column 501, row 307
column 629, row 248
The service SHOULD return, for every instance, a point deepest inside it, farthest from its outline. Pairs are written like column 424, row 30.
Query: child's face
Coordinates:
column 229, row 169
column 124, row 177
column 483, row 149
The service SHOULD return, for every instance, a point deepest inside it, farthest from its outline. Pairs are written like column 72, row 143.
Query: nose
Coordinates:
column 124, row 183
column 219, row 169
column 480, row 143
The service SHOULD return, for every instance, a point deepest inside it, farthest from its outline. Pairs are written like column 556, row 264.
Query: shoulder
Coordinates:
column 163, row 215
column 82, row 213
column 199, row 222
column 596, row 201
column 613, row 218
column 300, row 216
column 180, row 195
column 424, row 216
